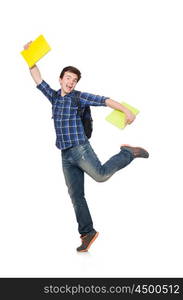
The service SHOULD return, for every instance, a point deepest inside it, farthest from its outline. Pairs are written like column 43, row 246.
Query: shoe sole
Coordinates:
column 90, row 243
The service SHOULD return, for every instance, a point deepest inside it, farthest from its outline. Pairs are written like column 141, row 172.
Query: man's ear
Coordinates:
column 60, row 80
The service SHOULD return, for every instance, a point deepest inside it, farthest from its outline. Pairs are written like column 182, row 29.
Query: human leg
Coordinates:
column 74, row 178
column 80, row 159
column 85, row 158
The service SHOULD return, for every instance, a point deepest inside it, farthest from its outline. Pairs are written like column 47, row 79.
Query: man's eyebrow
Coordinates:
column 71, row 76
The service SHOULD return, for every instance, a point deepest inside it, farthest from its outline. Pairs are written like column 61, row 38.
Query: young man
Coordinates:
column 77, row 154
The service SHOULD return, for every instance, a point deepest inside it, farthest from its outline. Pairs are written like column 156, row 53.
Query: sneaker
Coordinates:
column 87, row 241
column 136, row 151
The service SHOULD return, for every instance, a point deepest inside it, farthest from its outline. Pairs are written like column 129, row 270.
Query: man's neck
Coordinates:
column 63, row 93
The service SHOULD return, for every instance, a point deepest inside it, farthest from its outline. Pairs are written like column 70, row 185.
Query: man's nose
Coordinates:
column 70, row 81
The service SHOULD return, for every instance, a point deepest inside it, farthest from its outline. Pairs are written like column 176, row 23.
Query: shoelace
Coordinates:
column 83, row 239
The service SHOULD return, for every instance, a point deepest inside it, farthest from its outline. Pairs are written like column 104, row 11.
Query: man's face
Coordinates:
column 68, row 82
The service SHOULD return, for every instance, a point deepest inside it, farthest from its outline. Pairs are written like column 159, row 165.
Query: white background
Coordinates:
column 127, row 50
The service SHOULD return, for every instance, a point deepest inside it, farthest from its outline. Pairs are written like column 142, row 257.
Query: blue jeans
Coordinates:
column 80, row 159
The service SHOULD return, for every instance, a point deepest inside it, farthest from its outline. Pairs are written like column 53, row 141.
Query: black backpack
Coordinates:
column 85, row 115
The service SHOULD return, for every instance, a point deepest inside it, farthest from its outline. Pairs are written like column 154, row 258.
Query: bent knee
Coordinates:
column 101, row 178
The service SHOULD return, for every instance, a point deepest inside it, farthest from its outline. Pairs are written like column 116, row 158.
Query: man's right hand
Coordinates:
column 26, row 46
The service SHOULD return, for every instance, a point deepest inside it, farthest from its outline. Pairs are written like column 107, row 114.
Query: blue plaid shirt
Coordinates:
column 68, row 125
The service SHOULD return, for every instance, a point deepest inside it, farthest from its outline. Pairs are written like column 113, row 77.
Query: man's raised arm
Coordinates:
column 35, row 73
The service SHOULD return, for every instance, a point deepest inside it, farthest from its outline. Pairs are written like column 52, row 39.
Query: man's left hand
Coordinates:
column 129, row 117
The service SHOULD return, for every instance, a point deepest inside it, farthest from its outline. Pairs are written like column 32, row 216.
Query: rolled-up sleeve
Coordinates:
column 46, row 90
column 87, row 99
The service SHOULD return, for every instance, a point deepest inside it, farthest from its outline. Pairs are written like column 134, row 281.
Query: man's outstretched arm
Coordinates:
column 116, row 105
column 41, row 84
column 35, row 73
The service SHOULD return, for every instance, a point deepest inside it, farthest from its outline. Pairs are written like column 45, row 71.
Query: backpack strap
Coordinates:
column 80, row 110
column 54, row 94
column 85, row 115
column 53, row 105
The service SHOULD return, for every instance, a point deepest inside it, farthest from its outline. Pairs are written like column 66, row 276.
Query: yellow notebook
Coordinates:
column 37, row 49
column 117, row 118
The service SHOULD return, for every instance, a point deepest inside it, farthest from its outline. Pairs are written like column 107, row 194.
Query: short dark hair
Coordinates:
column 72, row 70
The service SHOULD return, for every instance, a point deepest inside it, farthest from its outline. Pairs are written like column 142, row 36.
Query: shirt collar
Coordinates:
column 70, row 94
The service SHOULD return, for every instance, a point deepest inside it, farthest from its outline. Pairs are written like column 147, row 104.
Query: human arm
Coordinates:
column 35, row 73
column 40, row 83
column 130, row 117
column 95, row 100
